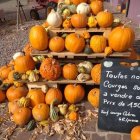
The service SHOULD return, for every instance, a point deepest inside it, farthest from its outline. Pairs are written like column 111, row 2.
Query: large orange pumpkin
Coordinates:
column 50, row 69
column 96, row 7
column 74, row 93
column 93, row 97
column 135, row 133
column 98, row 43
column 13, row 106
column 24, row 63
column 4, row 71
column 38, row 38
column 70, row 71
column 79, row 20
column 2, row 96
column 105, row 19
column 41, row 112
column 57, row 44
column 53, row 94
column 28, row 49
column 96, row 73
column 74, row 43
column 36, row 96
column 76, row 2
column 121, row 38
column 22, row 116
column 14, row 92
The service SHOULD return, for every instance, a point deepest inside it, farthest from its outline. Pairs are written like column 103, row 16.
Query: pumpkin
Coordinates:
column 54, row 19
column 50, row 69
column 135, row 133
column 79, row 20
column 70, row 71
column 93, row 97
column 4, row 71
column 53, row 94
column 24, row 63
column 96, row 73
column 2, row 96
column 83, row 8
column 76, row 2
column 13, row 106
column 108, row 51
column 38, row 38
column 45, row 24
column 85, row 34
column 10, row 76
column 22, row 116
column 73, row 116
column 36, row 96
column 14, row 93
column 67, row 2
column 105, row 19
column 96, row 7
column 27, row 49
column 74, row 93
column 67, row 23
column 41, row 112
column 74, row 43
column 98, row 43
column 121, row 38
column 57, row 44
column 92, row 22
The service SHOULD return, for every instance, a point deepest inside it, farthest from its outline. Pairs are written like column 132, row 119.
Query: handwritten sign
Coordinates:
column 119, row 108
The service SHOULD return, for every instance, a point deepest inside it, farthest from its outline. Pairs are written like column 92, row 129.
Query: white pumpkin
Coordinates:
column 17, row 54
column 54, row 19
column 83, row 8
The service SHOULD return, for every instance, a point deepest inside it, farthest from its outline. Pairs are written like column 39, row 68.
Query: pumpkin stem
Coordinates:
column 126, row 23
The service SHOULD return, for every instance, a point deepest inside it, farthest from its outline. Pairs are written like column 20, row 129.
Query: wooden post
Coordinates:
column 17, row 15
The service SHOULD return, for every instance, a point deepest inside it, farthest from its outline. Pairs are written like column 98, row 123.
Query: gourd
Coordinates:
column 27, row 49
column 17, row 54
column 82, row 77
column 4, row 71
column 135, row 133
column 108, row 51
column 24, row 102
column 31, row 125
column 13, row 106
column 18, row 84
column 85, row 34
column 65, row 13
column 54, row 19
column 88, row 50
column 92, row 22
column 2, row 96
column 83, row 8
column 76, row 2
column 33, row 77
column 63, row 108
column 67, row 23
column 73, row 116
column 72, row 8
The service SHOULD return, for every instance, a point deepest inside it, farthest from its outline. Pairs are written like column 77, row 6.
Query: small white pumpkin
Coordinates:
column 17, row 54
column 54, row 19
column 83, row 8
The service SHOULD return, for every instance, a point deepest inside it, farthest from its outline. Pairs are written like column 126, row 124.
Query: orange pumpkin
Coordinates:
column 93, row 97
column 105, row 19
column 96, row 7
column 53, row 94
column 14, row 93
column 67, row 24
column 2, row 96
column 24, row 63
column 76, row 2
column 13, row 106
column 22, row 116
column 79, row 20
column 50, row 69
column 121, row 38
column 41, row 112
column 74, row 93
column 70, row 71
column 135, row 133
column 74, row 43
column 73, row 116
column 85, row 35
column 108, row 51
column 38, row 38
column 10, row 76
column 27, row 49
column 98, row 43
column 57, row 44
column 36, row 96
column 96, row 73
column 4, row 71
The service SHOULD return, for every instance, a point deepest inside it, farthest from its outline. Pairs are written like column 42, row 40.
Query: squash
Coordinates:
column 96, row 7
column 18, row 84
column 121, row 38
column 96, row 73
column 92, row 22
column 105, row 19
column 135, row 133
column 93, row 97
column 38, row 38
column 17, row 54
column 74, row 93
column 53, row 94
column 4, row 71
column 13, row 106
column 57, row 44
column 83, row 8
column 79, row 20
column 24, row 102
column 33, row 77
column 85, row 34
column 27, row 49
column 54, row 19
column 45, row 24
column 41, row 112
column 108, row 51
column 36, row 96
column 70, row 71
column 50, row 69
column 14, row 93
column 98, row 43
column 76, row 2
column 74, row 43
column 88, row 50
column 24, row 63
column 67, row 23
column 2, row 96
column 82, row 77
column 63, row 108
column 73, row 116
column 72, row 8
column 65, row 13
column 31, row 125
column 22, row 116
